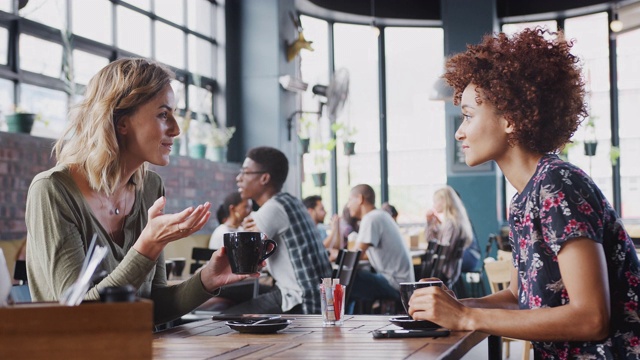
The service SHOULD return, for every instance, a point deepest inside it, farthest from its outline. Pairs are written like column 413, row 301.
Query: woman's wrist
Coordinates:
column 149, row 249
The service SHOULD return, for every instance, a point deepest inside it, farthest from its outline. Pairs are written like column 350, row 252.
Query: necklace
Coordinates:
column 116, row 211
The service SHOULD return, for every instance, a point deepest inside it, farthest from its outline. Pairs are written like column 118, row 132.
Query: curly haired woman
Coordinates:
column 576, row 278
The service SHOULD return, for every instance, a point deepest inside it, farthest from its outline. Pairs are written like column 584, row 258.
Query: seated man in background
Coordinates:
column 300, row 260
column 331, row 241
column 380, row 240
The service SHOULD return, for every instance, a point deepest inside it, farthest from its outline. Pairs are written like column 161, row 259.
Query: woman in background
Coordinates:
column 449, row 225
column 230, row 215
column 101, row 185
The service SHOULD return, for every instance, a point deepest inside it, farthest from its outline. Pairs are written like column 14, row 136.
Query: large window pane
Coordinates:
column 172, row 10
column 200, row 17
column 4, row 45
column 415, row 125
column 50, row 105
column 314, row 66
column 86, row 65
column 629, row 130
column 134, row 32
column 201, row 56
column 92, row 19
column 169, row 45
column 592, row 46
column 5, row 5
column 356, row 49
column 48, row 12
column 40, row 56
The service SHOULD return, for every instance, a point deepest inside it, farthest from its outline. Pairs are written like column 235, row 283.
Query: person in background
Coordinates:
column 348, row 228
column 332, row 241
column 230, row 215
column 101, row 185
column 575, row 281
column 391, row 210
column 300, row 260
column 448, row 224
column 379, row 238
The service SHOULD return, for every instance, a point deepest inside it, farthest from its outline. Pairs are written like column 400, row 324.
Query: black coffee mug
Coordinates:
column 247, row 250
column 407, row 289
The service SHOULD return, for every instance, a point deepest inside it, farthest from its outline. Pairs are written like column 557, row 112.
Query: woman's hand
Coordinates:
column 439, row 305
column 217, row 272
column 165, row 228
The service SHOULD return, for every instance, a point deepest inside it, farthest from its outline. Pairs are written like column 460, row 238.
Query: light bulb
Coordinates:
column 616, row 25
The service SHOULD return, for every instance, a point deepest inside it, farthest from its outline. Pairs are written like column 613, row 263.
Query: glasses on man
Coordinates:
column 247, row 172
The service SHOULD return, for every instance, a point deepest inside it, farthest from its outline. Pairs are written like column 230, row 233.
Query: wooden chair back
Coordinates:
column 498, row 274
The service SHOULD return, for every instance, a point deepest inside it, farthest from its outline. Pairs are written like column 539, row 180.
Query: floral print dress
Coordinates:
column 561, row 203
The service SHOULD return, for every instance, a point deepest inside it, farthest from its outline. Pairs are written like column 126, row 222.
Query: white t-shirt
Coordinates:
column 217, row 238
column 272, row 220
column 387, row 252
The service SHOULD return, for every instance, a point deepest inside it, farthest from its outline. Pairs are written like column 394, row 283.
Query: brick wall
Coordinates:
column 187, row 181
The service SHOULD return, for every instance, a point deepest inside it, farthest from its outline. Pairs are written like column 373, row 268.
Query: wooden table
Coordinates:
column 305, row 339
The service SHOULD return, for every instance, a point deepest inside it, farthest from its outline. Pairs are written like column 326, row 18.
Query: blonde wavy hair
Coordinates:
column 455, row 212
column 90, row 140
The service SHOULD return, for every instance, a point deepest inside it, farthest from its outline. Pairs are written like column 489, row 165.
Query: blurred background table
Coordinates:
column 306, row 338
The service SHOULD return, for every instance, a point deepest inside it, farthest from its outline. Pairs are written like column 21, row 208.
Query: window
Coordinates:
column 356, row 49
column 172, row 10
column 200, row 54
column 592, row 46
column 629, row 128
column 6, row 98
column 134, row 32
column 40, row 56
column 92, row 19
column 169, row 45
column 50, row 105
column 85, row 65
column 416, row 125
column 141, row 4
column 4, row 45
column 200, row 15
column 48, row 12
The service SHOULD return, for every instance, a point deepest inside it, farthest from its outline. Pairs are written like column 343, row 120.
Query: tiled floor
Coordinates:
column 480, row 352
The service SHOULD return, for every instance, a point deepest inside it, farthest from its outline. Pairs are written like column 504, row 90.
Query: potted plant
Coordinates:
column 346, row 133
column 590, row 140
column 204, row 134
column 198, row 139
column 21, row 120
column 218, row 139
column 304, row 133
column 321, row 152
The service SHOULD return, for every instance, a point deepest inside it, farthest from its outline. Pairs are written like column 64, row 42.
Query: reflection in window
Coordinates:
column 40, row 56
column 592, row 47
column 48, row 12
column 356, row 49
column 169, row 45
column 6, row 99
column 4, row 45
column 172, row 10
column 92, row 19
column 51, row 105
column 201, row 56
column 200, row 17
column 416, row 140
column 85, row 65
column 314, row 69
column 629, row 131
column 134, row 32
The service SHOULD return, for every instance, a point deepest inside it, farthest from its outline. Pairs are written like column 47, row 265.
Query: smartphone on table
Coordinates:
column 389, row 334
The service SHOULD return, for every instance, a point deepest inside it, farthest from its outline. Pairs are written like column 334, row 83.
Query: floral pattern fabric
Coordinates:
column 561, row 203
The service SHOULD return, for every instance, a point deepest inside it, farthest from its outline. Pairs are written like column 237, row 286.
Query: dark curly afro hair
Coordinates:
column 533, row 82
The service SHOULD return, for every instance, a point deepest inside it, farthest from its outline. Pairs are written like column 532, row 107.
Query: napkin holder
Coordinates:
column 92, row 330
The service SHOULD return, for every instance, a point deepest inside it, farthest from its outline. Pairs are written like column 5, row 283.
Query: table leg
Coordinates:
column 495, row 347
column 256, row 287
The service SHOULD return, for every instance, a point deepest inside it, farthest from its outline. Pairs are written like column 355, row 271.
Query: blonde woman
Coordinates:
column 449, row 225
column 101, row 186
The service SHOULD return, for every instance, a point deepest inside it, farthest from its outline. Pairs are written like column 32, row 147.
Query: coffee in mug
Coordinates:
column 247, row 250
column 407, row 289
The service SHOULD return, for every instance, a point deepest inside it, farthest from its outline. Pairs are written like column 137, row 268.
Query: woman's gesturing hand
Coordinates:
column 218, row 273
column 165, row 228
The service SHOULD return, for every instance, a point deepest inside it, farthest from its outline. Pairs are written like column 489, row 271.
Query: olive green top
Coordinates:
column 60, row 225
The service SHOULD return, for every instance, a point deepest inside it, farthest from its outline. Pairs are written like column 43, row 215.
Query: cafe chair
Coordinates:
column 200, row 256
column 443, row 262
column 499, row 276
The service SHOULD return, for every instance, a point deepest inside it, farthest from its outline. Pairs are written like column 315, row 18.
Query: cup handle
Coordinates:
column 266, row 255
